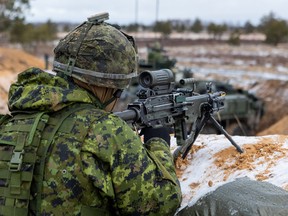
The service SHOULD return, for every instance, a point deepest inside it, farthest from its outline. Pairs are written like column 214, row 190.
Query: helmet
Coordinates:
column 97, row 53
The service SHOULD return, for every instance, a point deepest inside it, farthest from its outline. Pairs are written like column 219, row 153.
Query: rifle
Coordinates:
column 159, row 104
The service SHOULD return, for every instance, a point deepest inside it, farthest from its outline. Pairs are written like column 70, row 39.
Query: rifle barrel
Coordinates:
column 128, row 115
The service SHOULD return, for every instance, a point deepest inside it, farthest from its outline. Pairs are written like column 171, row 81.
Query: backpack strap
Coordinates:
column 4, row 118
column 57, row 122
column 18, row 136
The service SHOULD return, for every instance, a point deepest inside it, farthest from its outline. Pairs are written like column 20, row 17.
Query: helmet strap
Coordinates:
column 73, row 56
column 116, row 95
column 69, row 67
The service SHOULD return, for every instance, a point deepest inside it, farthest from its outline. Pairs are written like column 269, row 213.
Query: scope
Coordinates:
column 187, row 81
column 149, row 79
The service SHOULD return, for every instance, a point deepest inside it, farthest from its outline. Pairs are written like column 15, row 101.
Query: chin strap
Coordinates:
column 116, row 95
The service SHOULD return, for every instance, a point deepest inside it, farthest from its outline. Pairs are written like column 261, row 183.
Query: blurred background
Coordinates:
column 241, row 46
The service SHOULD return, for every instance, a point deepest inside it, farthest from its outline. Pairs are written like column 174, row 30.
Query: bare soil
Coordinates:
column 12, row 62
column 230, row 160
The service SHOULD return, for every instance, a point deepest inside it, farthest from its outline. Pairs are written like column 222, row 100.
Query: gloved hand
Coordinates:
column 150, row 132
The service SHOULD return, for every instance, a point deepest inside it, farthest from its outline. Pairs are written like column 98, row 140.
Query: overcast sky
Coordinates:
column 146, row 12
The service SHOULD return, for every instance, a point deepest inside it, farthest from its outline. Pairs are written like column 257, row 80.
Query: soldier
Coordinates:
column 62, row 150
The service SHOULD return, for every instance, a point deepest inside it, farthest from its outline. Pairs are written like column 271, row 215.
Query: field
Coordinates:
column 261, row 69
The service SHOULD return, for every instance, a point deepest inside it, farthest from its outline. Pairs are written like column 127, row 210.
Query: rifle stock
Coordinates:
column 159, row 104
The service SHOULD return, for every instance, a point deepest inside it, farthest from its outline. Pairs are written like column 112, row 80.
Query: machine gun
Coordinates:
column 159, row 104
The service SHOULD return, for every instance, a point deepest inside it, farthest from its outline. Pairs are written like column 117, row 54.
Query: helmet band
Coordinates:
column 68, row 69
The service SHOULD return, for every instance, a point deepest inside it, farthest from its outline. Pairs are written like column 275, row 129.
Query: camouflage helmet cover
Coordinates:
column 97, row 53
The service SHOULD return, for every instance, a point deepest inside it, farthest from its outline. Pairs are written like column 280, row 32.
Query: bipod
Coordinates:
column 223, row 131
column 207, row 116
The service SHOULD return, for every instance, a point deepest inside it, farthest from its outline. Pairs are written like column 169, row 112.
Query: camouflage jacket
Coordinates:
column 99, row 163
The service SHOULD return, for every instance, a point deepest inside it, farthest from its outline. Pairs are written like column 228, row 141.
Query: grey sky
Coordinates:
column 124, row 11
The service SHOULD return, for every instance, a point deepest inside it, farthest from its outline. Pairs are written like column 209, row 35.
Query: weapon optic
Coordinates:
column 159, row 104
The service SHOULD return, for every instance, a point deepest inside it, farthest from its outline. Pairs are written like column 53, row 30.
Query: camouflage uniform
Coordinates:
column 96, row 164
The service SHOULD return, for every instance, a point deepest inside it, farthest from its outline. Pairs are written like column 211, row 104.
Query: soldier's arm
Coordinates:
column 143, row 177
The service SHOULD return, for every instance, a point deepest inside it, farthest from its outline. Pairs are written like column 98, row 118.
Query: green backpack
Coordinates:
column 23, row 149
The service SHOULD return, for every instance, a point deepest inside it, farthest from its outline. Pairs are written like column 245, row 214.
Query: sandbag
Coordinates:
column 243, row 197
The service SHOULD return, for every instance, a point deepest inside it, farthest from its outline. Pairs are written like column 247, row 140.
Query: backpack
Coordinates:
column 23, row 150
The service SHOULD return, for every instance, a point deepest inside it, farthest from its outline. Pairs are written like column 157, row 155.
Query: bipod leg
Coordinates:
column 218, row 126
column 197, row 131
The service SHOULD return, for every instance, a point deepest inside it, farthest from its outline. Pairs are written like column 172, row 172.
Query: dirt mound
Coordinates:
column 274, row 93
column 213, row 162
column 15, row 61
column 280, row 127
column 266, row 151
column 12, row 62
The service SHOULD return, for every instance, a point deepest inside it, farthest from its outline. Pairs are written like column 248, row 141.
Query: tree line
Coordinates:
column 274, row 28
column 14, row 27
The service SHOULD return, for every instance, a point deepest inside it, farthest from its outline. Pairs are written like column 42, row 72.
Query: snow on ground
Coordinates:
column 213, row 162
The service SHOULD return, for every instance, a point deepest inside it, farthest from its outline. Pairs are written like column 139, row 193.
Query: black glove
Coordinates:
column 150, row 132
